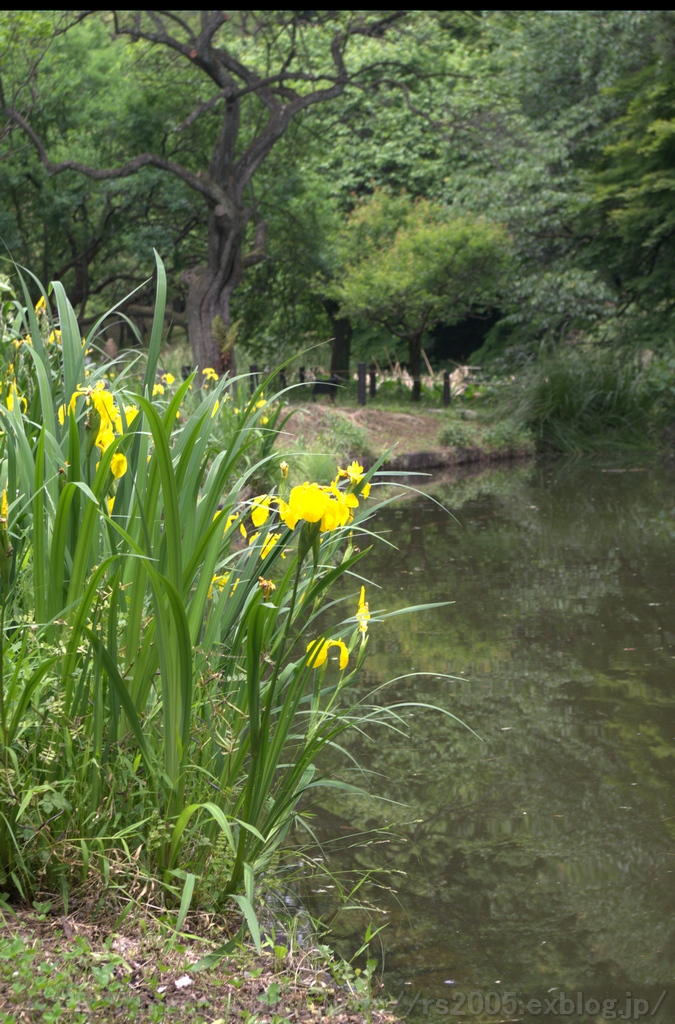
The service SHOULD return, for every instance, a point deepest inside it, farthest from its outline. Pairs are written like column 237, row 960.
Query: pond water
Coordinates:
column 537, row 862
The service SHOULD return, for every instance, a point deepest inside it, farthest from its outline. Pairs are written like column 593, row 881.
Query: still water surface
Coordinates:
column 541, row 858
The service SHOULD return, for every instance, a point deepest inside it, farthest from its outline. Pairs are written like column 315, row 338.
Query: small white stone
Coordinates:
column 183, row 982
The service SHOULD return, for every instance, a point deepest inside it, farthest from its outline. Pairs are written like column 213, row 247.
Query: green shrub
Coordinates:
column 457, row 435
column 344, row 438
column 507, row 436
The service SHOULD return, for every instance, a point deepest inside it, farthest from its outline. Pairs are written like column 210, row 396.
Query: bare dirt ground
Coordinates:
column 408, row 432
column 367, row 433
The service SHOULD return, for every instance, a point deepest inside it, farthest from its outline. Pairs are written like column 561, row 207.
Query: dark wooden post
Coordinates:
column 282, row 380
column 446, row 389
column 253, row 370
column 301, row 375
column 373, row 381
column 362, row 383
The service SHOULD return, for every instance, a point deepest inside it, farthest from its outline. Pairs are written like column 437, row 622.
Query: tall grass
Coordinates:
column 586, row 399
column 159, row 715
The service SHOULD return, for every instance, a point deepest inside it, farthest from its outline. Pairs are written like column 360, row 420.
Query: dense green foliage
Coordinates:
column 164, row 690
column 555, row 127
column 589, row 400
column 408, row 265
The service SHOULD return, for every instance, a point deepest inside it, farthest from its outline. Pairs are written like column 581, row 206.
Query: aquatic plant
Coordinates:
column 160, row 709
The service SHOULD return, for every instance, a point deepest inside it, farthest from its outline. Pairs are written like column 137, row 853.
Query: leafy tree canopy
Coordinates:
column 410, row 264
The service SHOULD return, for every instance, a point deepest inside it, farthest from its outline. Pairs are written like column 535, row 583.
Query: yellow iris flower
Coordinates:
column 354, row 472
column 13, row 395
column 118, row 465
column 313, row 503
column 320, row 652
column 220, row 582
column 270, row 540
column 363, row 612
column 260, row 510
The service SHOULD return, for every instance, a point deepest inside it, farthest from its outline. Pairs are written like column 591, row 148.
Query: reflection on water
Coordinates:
column 541, row 859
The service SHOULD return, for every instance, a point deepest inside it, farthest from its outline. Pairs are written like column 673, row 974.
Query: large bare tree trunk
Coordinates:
column 210, row 288
column 208, row 319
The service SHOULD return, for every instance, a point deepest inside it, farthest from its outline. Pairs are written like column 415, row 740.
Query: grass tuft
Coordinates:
column 586, row 399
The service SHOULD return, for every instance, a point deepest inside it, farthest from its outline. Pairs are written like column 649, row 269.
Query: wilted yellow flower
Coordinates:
column 118, row 465
column 283, row 466
column 266, row 586
column 158, row 389
column 363, row 612
column 320, row 653
column 41, row 305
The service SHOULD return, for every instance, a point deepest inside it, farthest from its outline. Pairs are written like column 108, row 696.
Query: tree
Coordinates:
column 410, row 265
column 633, row 198
column 244, row 77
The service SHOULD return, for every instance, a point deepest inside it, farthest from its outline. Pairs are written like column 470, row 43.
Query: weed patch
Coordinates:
column 589, row 400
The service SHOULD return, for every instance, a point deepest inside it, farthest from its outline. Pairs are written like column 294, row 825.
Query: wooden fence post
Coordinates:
column 373, row 381
column 446, row 389
column 253, row 370
column 362, row 383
